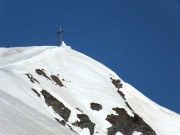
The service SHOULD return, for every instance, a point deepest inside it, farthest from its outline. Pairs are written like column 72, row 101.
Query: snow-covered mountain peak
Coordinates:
column 78, row 93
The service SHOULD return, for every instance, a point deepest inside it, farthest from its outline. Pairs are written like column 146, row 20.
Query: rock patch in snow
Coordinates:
column 57, row 106
column 79, row 110
column 57, row 80
column 117, row 83
column 62, row 122
column 96, row 106
column 41, row 72
column 121, row 94
column 85, row 122
column 32, row 79
column 35, row 91
column 127, row 125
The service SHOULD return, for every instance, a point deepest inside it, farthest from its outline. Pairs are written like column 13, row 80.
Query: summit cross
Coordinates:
column 60, row 36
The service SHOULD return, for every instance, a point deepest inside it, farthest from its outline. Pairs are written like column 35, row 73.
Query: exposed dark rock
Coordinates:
column 56, row 79
column 62, row 122
column 32, row 79
column 127, row 125
column 85, row 122
column 117, row 83
column 121, row 94
column 41, row 72
column 71, row 128
column 57, row 106
column 36, row 92
column 123, row 122
column 79, row 110
column 129, row 106
column 96, row 106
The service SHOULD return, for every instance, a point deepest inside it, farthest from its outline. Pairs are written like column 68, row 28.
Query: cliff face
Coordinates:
column 77, row 93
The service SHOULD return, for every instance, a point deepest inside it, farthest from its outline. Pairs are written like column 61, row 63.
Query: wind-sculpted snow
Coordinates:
column 17, row 118
column 76, row 95
column 12, row 55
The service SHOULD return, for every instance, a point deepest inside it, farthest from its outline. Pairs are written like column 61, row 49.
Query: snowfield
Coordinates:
column 57, row 90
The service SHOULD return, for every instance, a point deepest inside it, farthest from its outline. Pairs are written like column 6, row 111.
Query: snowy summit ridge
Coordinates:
column 56, row 90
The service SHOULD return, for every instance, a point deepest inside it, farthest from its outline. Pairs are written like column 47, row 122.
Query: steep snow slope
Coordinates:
column 79, row 93
column 16, row 118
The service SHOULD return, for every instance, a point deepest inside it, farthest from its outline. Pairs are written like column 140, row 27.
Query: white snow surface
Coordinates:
column 118, row 133
column 85, row 81
column 17, row 118
column 137, row 133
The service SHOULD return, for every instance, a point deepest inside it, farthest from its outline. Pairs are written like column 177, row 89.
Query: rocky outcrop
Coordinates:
column 117, row 83
column 85, row 122
column 121, row 94
column 57, row 106
column 62, row 122
column 35, row 91
column 123, row 122
column 41, row 72
column 31, row 78
column 56, row 79
column 96, row 106
column 127, row 125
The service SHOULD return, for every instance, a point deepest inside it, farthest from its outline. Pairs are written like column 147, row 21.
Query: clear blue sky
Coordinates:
column 139, row 40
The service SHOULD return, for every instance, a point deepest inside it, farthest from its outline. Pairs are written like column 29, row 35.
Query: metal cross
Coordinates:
column 60, row 36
